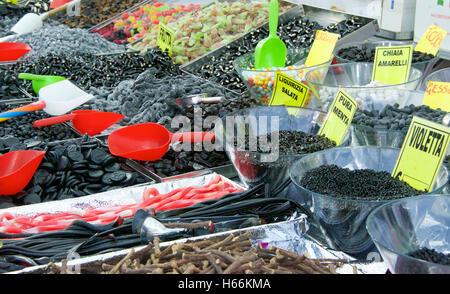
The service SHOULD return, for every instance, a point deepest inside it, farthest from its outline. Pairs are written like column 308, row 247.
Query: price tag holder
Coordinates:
column 392, row 64
column 322, row 48
column 288, row 91
column 339, row 117
column 437, row 95
column 431, row 40
column 165, row 39
column 422, row 153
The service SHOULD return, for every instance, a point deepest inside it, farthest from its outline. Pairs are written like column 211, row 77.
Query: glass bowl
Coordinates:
column 341, row 222
column 362, row 135
column 424, row 66
column 355, row 78
column 260, row 82
column 255, row 167
column 402, row 226
column 442, row 75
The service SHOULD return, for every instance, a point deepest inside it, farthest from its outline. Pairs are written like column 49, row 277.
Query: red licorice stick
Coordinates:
column 176, row 204
column 11, row 229
column 149, row 191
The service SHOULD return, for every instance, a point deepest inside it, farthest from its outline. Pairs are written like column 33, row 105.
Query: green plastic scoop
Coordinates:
column 271, row 51
column 39, row 81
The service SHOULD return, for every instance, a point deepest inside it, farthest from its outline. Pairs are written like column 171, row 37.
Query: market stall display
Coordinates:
column 259, row 191
column 416, row 235
column 341, row 215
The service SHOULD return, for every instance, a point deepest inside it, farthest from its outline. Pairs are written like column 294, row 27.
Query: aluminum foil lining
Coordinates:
column 123, row 196
column 286, row 235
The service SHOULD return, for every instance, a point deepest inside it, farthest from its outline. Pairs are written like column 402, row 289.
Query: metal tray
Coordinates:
column 130, row 45
column 288, row 235
column 322, row 16
column 55, row 16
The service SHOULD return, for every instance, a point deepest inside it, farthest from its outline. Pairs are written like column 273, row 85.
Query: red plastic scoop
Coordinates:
column 10, row 51
column 91, row 122
column 149, row 141
column 17, row 168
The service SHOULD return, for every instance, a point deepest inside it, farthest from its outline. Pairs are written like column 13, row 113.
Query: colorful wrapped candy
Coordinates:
column 135, row 25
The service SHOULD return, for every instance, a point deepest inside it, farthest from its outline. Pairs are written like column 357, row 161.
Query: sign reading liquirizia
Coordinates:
column 422, row 153
column 288, row 91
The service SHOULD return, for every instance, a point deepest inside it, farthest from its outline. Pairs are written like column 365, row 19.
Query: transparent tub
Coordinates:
column 260, row 82
column 355, row 78
column 403, row 226
column 341, row 222
column 442, row 75
column 254, row 167
column 341, row 53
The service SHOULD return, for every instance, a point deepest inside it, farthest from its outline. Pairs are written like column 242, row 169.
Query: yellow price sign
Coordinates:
column 339, row 117
column 322, row 48
column 165, row 40
column 422, row 153
column 437, row 95
column 12, row 2
column 392, row 64
column 288, row 91
column 431, row 40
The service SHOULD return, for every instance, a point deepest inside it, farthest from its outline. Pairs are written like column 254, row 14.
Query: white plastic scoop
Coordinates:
column 32, row 21
column 55, row 99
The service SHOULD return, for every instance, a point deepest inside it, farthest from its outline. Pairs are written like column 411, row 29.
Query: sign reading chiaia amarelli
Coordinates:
column 392, row 64
column 422, row 153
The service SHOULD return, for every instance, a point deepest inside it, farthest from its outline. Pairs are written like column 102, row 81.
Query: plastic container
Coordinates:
column 400, row 227
column 255, row 168
column 355, row 78
column 424, row 66
column 341, row 222
column 442, row 75
column 365, row 135
column 260, row 82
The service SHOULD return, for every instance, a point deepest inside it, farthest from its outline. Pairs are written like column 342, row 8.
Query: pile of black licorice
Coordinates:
column 394, row 118
column 90, row 70
column 290, row 142
column 362, row 184
column 431, row 255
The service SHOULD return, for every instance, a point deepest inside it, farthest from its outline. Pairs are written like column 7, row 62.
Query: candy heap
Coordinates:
column 55, row 38
column 94, row 12
column 135, row 25
column 212, row 27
